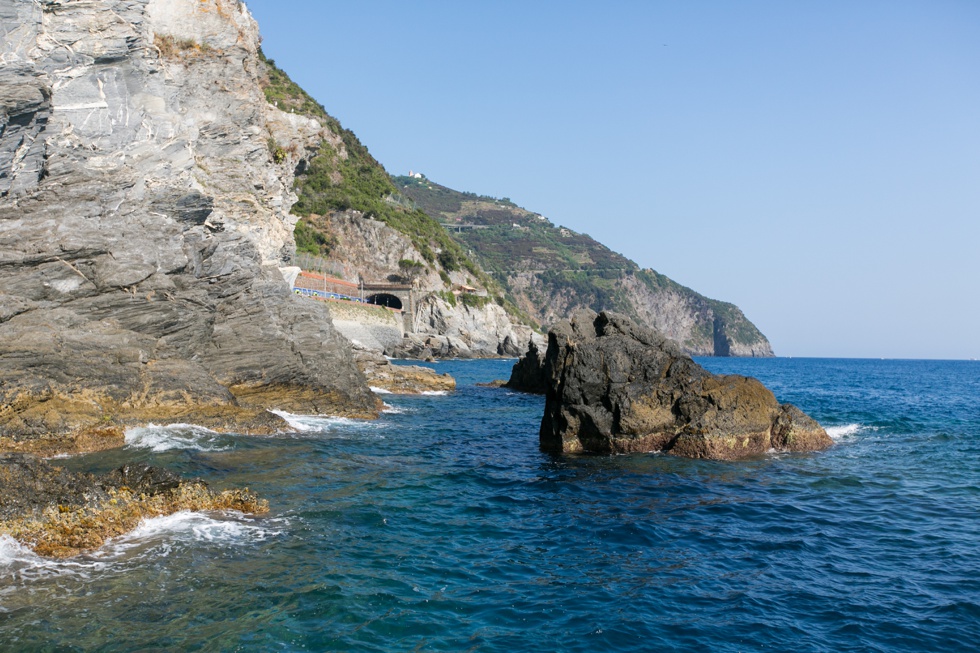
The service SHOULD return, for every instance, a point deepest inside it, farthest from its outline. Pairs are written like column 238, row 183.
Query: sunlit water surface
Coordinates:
column 441, row 527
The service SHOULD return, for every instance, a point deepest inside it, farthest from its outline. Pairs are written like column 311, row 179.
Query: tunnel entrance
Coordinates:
column 384, row 299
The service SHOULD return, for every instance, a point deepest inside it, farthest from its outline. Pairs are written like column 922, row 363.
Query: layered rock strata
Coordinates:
column 143, row 219
column 613, row 386
column 463, row 331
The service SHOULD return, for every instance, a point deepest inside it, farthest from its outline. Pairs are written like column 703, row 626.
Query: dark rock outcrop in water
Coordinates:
column 614, row 386
column 143, row 219
column 528, row 374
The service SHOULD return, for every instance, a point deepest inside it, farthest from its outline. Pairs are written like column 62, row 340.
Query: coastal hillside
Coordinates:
column 354, row 225
column 487, row 271
column 549, row 271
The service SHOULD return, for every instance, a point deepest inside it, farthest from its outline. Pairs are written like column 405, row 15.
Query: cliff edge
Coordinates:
column 145, row 188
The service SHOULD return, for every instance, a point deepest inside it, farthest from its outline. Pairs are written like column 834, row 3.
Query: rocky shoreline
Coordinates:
column 59, row 514
column 142, row 227
column 145, row 236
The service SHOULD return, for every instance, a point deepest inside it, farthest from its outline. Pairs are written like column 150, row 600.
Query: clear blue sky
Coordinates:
column 815, row 162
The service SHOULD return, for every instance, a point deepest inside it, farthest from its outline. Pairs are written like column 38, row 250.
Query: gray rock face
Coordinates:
column 613, row 386
column 371, row 250
column 143, row 221
column 463, row 331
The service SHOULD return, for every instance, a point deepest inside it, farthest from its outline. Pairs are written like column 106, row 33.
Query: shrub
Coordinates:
column 276, row 150
column 173, row 48
column 474, row 301
column 448, row 261
column 311, row 240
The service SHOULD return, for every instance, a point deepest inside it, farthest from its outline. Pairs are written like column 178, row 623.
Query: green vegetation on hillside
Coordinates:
column 509, row 240
column 441, row 201
column 311, row 240
column 533, row 264
column 351, row 179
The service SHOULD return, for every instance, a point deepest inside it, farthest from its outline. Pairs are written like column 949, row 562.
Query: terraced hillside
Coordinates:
column 548, row 271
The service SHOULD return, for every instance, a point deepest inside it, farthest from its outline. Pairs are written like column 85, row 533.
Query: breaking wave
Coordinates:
column 160, row 534
column 846, row 431
column 176, row 436
column 320, row 423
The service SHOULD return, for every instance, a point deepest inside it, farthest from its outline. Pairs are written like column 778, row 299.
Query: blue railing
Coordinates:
column 320, row 294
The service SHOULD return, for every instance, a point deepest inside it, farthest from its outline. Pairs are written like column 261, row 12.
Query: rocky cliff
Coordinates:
column 441, row 322
column 464, row 327
column 145, row 188
column 549, row 272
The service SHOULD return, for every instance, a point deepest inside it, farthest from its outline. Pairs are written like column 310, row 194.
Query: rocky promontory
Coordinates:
column 145, row 188
column 614, row 386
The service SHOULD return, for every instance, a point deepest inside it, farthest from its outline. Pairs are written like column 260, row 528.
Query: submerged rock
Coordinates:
column 613, row 386
column 59, row 513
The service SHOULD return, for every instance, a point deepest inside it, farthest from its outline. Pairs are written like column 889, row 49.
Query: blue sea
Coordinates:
column 442, row 527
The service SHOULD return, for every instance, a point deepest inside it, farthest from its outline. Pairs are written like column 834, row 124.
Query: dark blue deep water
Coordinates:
column 441, row 527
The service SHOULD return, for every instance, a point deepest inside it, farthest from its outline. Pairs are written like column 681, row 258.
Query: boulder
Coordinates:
column 614, row 386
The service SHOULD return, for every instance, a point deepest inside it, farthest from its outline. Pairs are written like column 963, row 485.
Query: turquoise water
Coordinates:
column 441, row 527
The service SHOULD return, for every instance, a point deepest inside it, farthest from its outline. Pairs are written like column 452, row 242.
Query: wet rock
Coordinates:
column 141, row 478
column 400, row 379
column 613, row 386
column 496, row 383
column 60, row 513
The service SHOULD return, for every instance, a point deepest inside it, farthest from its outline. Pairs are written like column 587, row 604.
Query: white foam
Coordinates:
column 379, row 391
column 434, row 393
column 393, row 410
column 298, row 422
column 158, row 533
column 307, row 423
column 12, row 551
column 197, row 527
column 845, row 431
column 174, row 436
